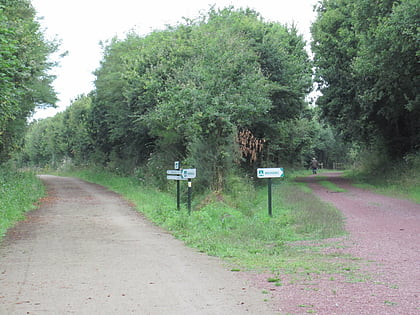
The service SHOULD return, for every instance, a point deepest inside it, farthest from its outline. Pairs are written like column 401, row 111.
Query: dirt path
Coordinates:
column 385, row 234
column 86, row 251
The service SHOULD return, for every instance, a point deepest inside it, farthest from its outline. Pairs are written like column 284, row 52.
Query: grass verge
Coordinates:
column 401, row 183
column 331, row 186
column 19, row 192
column 237, row 228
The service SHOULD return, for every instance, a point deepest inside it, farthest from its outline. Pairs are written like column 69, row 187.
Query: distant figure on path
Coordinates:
column 314, row 165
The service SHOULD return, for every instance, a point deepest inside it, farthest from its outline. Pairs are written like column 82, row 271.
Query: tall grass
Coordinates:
column 235, row 226
column 19, row 192
column 394, row 178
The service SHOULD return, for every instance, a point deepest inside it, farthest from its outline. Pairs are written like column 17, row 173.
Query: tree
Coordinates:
column 45, row 142
column 184, row 93
column 367, row 59
column 25, row 82
column 243, row 74
column 77, row 130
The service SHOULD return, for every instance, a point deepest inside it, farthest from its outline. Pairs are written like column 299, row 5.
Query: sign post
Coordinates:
column 270, row 203
column 178, row 194
column 189, row 173
column 179, row 174
column 176, row 174
column 270, row 173
column 189, row 196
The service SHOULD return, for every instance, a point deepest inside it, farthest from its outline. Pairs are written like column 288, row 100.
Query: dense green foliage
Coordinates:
column 399, row 179
column 19, row 191
column 184, row 93
column 368, row 68
column 225, row 90
column 24, row 79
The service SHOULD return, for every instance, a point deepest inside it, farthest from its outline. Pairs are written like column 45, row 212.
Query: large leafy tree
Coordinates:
column 45, row 142
column 237, row 72
column 367, row 58
column 184, row 93
column 77, row 130
column 24, row 65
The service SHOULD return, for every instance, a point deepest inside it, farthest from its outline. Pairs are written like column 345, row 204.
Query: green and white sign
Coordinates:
column 189, row 173
column 270, row 172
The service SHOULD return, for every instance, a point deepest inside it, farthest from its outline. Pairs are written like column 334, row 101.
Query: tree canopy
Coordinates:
column 24, row 65
column 187, row 92
column 367, row 64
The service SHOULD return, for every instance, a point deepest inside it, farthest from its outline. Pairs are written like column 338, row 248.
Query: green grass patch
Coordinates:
column 19, row 192
column 399, row 179
column 237, row 227
column 403, row 184
column 331, row 186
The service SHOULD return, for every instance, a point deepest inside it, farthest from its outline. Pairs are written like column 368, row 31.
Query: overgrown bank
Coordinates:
column 19, row 193
column 236, row 226
column 393, row 178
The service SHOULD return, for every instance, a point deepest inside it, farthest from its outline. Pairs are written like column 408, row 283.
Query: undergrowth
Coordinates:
column 236, row 226
column 393, row 178
column 19, row 192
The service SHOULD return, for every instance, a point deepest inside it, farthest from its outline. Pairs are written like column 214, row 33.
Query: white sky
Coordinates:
column 82, row 24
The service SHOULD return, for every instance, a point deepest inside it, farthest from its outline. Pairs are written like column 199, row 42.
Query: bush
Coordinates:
column 19, row 192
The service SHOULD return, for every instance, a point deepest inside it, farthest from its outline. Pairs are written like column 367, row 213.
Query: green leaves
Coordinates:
column 25, row 82
column 184, row 92
column 367, row 59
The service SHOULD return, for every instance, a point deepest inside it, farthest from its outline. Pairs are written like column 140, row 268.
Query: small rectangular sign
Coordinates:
column 270, row 172
column 173, row 172
column 189, row 173
column 175, row 177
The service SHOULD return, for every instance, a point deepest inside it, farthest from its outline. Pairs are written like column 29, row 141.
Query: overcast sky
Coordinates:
column 82, row 24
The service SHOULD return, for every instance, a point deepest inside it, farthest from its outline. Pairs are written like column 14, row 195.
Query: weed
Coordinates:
column 399, row 179
column 331, row 186
column 19, row 192
column 273, row 280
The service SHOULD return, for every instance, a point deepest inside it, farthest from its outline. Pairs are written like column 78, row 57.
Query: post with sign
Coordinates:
column 270, row 203
column 270, row 173
column 189, row 174
column 178, row 194
column 178, row 175
column 189, row 196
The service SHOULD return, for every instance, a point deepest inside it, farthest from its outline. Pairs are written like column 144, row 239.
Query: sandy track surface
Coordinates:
column 86, row 251
column 384, row 233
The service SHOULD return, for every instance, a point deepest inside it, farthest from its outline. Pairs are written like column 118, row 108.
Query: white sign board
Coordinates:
column 270, row 172
column 189, row 173
column 173, row 172
column 175, row 177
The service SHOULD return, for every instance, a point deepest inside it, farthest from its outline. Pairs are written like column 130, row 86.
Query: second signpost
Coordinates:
column 270, row 173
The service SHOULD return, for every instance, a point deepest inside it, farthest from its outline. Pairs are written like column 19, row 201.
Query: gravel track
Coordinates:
column 87, row 251
column 384, row 233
